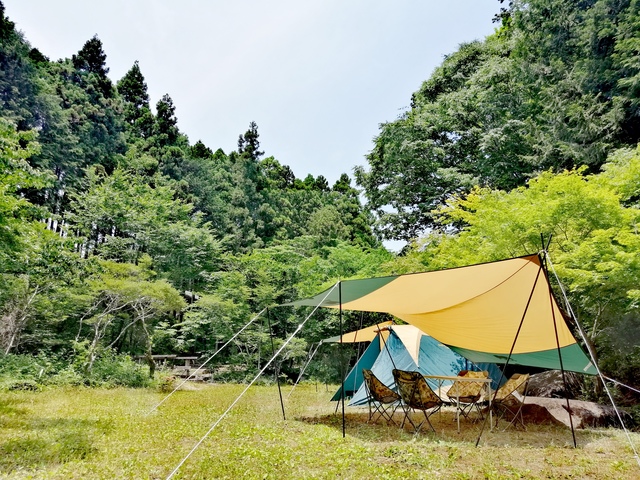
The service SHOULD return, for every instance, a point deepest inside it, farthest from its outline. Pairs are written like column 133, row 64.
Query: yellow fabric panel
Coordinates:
column 365, row 334
column 410, row 337
column 477, row 307
column 434, row 291
column 490, row 322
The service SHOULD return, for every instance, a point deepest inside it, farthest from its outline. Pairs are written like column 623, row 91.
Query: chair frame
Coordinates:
column 381, row 399
column 465, row 404
column 518, row 381
column 412, row 387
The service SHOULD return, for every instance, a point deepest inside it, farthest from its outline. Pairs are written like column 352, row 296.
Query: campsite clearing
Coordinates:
column 105, row 434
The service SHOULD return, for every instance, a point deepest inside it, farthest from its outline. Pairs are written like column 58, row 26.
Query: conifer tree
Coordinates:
column 92, row 59
column 137, row 113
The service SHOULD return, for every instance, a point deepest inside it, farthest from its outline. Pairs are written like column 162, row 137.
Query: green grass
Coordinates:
column 108, row 433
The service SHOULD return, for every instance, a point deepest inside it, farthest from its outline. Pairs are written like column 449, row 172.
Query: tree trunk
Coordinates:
column 148, row 355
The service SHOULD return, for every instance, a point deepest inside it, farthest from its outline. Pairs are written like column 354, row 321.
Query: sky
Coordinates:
column 317, row 76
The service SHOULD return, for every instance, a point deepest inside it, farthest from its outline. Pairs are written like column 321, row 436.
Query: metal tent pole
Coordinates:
column 277, row 369
column 543, row 263
column 513, row 345
column 344, row 426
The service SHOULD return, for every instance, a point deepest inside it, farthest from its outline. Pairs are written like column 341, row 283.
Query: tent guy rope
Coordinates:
column 207, row 361
column 592, row 357
column 291, row 337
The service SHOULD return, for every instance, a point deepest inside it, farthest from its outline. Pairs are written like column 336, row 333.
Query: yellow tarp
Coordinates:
column 362, row 335
column 479, row 307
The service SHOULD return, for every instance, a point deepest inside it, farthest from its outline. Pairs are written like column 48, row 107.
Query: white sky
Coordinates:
column 317, row 76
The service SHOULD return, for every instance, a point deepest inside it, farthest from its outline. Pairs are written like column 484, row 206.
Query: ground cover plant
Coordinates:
column 97, row 433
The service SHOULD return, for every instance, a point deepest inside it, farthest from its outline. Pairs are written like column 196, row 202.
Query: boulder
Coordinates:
column 584, row 414
column 550, row 384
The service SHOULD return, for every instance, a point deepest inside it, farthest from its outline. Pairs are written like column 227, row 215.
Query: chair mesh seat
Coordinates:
column 416, row 395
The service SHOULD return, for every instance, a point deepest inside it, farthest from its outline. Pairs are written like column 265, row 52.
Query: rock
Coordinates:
column 584, row 414
column 550, row 385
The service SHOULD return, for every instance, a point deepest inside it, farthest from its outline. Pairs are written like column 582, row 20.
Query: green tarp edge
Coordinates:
column 573, row 358
column 351, row 290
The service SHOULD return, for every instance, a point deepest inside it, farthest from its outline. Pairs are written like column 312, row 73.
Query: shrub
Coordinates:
column 110, row 369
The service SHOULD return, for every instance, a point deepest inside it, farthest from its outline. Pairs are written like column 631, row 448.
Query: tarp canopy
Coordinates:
column 481, row 311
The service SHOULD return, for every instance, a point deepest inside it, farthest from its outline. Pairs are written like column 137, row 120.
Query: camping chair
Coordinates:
column 509, row 400
column 382, row 400
column 465, row 395
column 416, row 395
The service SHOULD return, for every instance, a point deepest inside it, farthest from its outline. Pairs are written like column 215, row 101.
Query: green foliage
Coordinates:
column 553, row 89
column 27, row 372
column 594, row 248
column 16, row 213
column 137, row 114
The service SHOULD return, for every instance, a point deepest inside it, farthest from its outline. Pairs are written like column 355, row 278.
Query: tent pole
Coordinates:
column 386, row 347
column 277, row 369
column 344, row 429
column 513, row 345
column 543, row 262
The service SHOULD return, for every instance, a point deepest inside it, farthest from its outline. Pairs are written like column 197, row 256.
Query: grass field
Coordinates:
column 109, row 434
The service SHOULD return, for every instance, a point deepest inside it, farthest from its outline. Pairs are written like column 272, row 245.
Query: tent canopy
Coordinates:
column 399, row 346
column 482, row 311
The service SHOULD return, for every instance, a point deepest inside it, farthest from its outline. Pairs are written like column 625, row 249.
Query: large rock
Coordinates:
column 550, row 384
column 584, row 414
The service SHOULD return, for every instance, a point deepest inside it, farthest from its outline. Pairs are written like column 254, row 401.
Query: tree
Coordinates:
column 91, row 59
column 125, row 297
column 551, row 89
column 166, row 126
column 249, row 143
column 17, row 215
column 124, row 208
column 137, row 114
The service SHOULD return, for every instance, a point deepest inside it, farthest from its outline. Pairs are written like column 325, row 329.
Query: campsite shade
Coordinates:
column 477, row 310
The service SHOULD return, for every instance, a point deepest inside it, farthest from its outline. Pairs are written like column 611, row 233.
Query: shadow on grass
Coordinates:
column 41, row 442
column 445, row 425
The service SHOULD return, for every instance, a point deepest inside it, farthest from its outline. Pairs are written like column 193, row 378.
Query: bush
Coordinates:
column 110, row 369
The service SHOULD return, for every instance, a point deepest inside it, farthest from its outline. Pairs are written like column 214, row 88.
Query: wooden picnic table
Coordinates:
column 187, row 361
